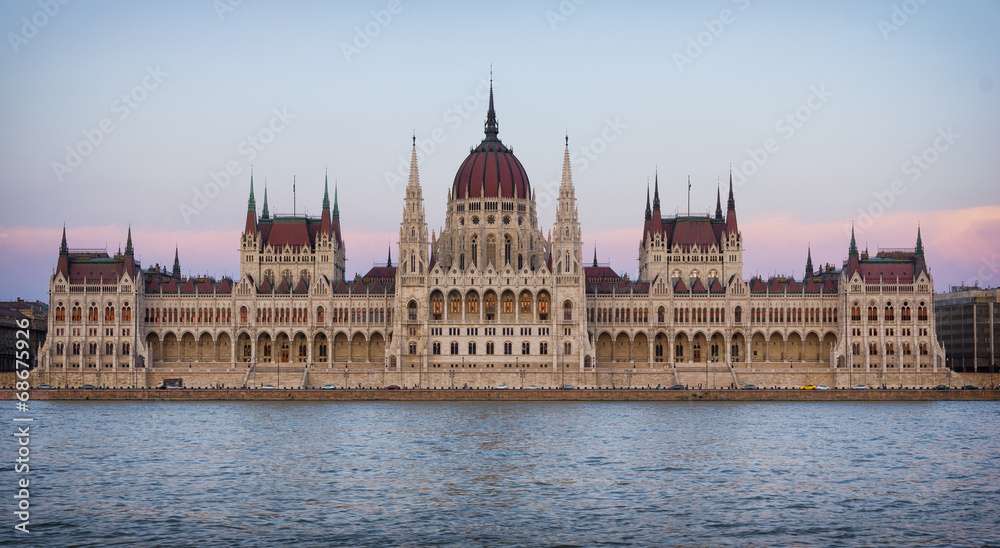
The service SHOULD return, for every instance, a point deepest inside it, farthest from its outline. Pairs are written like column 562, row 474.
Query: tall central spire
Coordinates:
column 492, row 129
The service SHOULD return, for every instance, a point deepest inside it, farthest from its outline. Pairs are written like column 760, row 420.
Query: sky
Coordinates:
column 881, row 115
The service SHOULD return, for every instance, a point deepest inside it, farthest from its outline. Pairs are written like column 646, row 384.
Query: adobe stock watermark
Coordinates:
column 700, row 42
column 30, row 26
column 786, row 126
column 225, row 7
column 913, row 169
column 372, row 29
column 122, row 107
column 453, row 118
column 581, row 158
column 899, row 16
column 248, row 149
column 562, row 13
column 989, row 270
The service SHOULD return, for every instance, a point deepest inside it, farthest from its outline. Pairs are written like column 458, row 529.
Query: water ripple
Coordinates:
column 514, row 474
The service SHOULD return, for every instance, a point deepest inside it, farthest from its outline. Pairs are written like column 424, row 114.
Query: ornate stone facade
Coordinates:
column 491, row 298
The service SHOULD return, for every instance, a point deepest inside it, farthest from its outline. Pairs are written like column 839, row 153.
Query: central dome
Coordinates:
column 491, row 169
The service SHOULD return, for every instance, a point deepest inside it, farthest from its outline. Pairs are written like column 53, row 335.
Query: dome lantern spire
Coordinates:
column 492, row 128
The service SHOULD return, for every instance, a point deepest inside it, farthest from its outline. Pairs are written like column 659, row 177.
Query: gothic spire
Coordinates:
column 853, row 251
column 718, row 201
column 809, row 263
column 649, row 214
column 251, row 204
column 128, row 244
column 656, row 190
column 388, row 261
column 919, row 251
column 732, row 202
column 492, row 129
column 326, row 192
column 595, row 256
column 63, row 248
column 177, row 265
column 264, row 214
column 336, row 205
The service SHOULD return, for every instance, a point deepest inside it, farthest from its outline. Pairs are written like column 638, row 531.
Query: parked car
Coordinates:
column 328, row 387
column 822, row 387
column 566, row 387
column 532, row 387
column 808, row 387
column 749, row 387
column 45, row 386
column 392, row 387
column 859, row 387
column 88, row 387
column 269, row 387
column 942, row 387
column 970, row 387
column 677, row 387
column 500, row 387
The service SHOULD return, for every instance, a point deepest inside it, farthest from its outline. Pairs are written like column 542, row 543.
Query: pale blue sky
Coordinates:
column 887, row 97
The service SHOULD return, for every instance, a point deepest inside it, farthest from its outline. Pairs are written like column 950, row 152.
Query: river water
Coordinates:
column 511, row 474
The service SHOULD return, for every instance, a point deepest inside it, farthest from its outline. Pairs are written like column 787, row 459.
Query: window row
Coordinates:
column 93, row 312
column 109, row 349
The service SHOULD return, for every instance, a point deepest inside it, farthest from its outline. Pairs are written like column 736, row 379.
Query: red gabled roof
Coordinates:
column 359, row 287
column 301, row 287
column 716, row 287
column 887, row 272
column 341, row 287
column 679, row 286
column 265, row 287
column 283, row 287
column 812, row 286
column 698, row 287
column 188, row 286
column 170, row 286
column 757, row 285
column 225, row 286
column 205, row 287
column 794, row 286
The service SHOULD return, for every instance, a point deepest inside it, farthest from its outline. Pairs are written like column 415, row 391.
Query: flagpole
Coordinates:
column 689, row 195
column 293, row 195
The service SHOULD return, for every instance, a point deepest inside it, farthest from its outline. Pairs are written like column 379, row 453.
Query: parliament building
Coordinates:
column 491, row 298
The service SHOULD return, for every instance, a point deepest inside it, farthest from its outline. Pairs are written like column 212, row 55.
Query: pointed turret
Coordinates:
column 809, row 263
column 567, row 247
column 731, row 225
column 129, row 256
column 336, row 203
column 491, row 127
column 63, row 265
column 853, row 259
column 595, row 256
column 919, row 263
column 656, row 193
column 325, row 225
column 649, row 212
column 388, row 260
column 718, row 202
column 264, row 215
column 177, row 265
column 251, row 225
column 413, row 244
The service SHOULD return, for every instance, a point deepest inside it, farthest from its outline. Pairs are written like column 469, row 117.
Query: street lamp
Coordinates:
column 628, row 374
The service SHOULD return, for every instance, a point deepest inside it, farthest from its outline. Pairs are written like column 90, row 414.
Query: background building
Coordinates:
column 968, row 326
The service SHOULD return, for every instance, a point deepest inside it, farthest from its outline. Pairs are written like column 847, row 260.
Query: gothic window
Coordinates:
column 520, row 261
column 461, row 261
column 738, row 314
column 454, row 303
column 472, row 304
column 922, row 313
column 109, row 349
column 413, row 348
column 475, row 251
column 506, row 249
column 873, row 313
column 437, row 306
column 543, row 306
column 413, row 263
column 507, row 348
column 508, row 303
column 525, row 348
column 436, row 349
column 889, row 313
column 566, row 263
column 60, row 313
column 567, row 311
column 659, row 314
column 491, row 249
column 411, row 311
column 472, row 349
column 905, row 312
column 855, row 313
column 543, row 348
column 320, row 315
column 109, row 313
column 525, row 303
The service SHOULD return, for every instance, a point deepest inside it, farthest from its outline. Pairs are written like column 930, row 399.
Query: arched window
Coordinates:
column 922, row 313
column 411, row 311
column 738, row 314
column 413, row 262
column 525, row 303
column 109, row 313
column 905, row 312
column 660, row 312
column 506, row 249
column 475, row 251
column 491, row 249
column 543, row 306
column 567, row 311
column 890, row 315
column 567, row 348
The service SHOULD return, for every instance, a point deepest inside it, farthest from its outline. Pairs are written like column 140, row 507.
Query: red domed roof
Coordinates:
column 491, row 169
